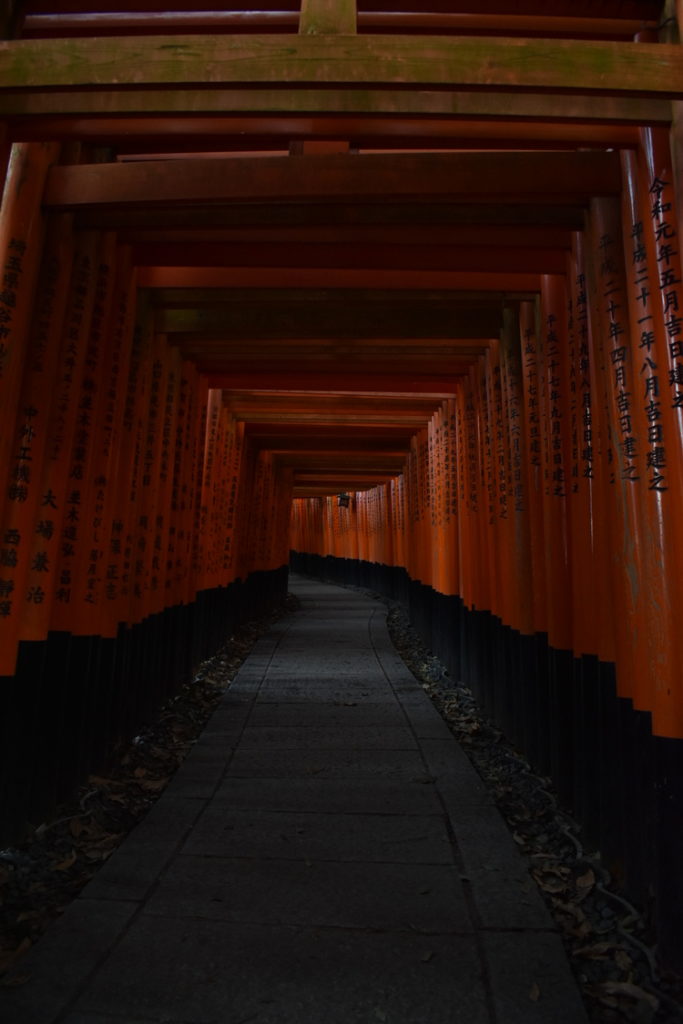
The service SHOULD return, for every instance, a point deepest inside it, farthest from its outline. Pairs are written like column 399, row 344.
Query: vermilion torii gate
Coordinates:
column 429, row 259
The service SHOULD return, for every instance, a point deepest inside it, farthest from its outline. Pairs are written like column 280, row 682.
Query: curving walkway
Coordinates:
column 325, row 855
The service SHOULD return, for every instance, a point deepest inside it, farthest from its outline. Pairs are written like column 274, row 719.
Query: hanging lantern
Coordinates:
column 343, row 500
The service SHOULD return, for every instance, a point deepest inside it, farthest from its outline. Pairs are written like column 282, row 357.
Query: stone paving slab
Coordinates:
column 335, row 796
column 338, row 714
column 529, row 979
column 333, row 894
column 326, row 737
column 309, row 836
column 330, row 764
column 62, row 962
column 201, row 971
column 325, row 855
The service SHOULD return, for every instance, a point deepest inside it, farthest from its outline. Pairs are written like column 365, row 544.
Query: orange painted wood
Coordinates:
column 198, row 445
column 182, row 489
column 616, row 397
column 209, row 486
column 583, row 462
column 663, row 402
column 114, row 454
column 462, row 406
column 163, row 595
column 533, row 447
column 27, row 512
column 36, row 26
column 436, row 256
column 555, row 455
column 651, row 541
column 281, row 277
column 46, row 586
column 474, row 177
column 21, row 242
column 515, row 509
column 79, row 564
column 134, row 533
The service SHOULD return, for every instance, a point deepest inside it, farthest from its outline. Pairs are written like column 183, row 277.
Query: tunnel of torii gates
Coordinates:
column 395, row 291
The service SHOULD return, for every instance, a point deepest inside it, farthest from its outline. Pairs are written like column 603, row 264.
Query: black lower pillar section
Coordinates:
column 585, row 801
column 562, row 697
column 73, row 699
column 447, row 613
column 609, row 779
column 527, row 704
column 668, row 766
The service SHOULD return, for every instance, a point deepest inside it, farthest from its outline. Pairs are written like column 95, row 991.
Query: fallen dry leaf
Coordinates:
column 154, row 785
column 623, row 960
column 64, row 865
column 587, row 880
column 14, row 981
column 577, row 924
column 10, row 956
column 29, row 915
column 632, row 1003
column 553, row 883
column 631, row 991
column 78, row 827
column 598, row 951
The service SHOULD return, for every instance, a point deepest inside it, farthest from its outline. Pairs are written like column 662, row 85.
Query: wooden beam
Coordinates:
column 312, row 299
column 222, row 368
column 327, row 17
column 524, row 285
column 216, row 62
column 36, row 26
column 346, row 255
column 321, row 491
column 413, row 420
column 143, row 137
column 334, row 318
column 393, row 432
column 335, row 217
column 187, row 102
column 336, row 350
column 437, row 386
column 347, row 477
column 424, row 177
column 405, row 235
column 628, row 9
column 319, row 449
column 267, row 402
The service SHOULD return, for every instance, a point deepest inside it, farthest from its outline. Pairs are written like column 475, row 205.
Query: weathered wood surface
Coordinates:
column 327, row 17
column 217, row 62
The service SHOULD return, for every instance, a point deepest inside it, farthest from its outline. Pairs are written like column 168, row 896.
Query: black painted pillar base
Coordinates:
column 73, row 699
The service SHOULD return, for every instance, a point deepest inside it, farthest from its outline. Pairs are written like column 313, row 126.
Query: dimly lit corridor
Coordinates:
column 388, row 295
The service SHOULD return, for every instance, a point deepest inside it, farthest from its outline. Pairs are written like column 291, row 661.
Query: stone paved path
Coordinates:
column 325, row 855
